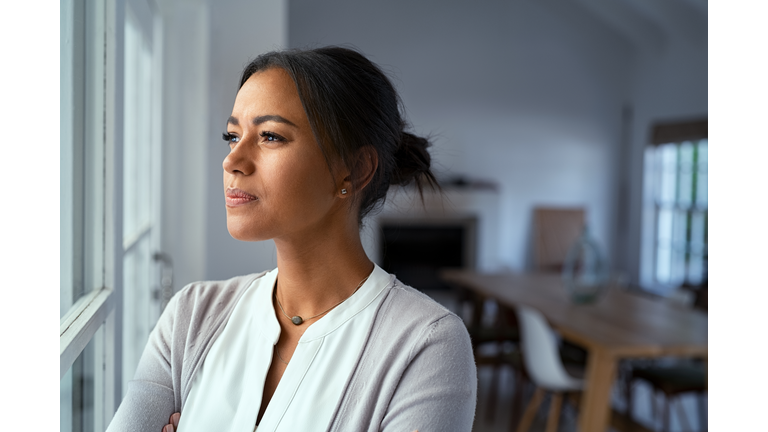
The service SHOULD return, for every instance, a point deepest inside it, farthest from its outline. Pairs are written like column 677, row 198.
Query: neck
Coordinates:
column 317, row 272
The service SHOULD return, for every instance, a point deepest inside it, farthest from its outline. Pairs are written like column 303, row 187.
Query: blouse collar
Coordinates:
column 377, row 281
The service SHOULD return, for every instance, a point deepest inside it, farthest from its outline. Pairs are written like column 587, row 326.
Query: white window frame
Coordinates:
column 101, row 307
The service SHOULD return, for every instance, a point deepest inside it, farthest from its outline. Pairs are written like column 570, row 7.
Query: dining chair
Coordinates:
column 495, row 343
column 544, row 366
column 676, row 378
column 555, row 230
column 673, row 381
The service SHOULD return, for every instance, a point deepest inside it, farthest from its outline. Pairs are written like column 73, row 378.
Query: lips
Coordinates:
column 236, row 197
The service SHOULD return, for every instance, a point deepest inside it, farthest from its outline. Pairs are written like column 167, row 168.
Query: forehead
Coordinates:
column 270, row 92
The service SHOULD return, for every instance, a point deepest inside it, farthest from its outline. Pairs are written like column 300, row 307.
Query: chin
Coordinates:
column 244, row 233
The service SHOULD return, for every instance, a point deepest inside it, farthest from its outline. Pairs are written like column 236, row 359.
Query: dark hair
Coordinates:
column 351, row 104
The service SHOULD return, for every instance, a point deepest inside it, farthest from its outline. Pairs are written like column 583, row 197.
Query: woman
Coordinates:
column 328, row 340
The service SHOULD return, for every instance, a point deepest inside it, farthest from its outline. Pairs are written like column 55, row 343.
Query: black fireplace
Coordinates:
column 416, row 249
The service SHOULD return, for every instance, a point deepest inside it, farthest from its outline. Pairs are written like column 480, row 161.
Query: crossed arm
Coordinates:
column 173, row 423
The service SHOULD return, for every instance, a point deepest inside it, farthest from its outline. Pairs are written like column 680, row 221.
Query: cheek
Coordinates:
column 310, row 187
column 294, row 188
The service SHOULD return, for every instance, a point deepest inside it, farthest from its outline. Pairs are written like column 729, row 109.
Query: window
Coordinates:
column 677, row 181
column 87, row 294
column 109, row 207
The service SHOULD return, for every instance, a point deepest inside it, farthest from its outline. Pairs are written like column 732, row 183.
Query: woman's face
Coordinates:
column 276, row 180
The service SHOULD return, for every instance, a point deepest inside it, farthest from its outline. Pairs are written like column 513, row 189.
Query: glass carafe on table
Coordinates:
column 585, row 271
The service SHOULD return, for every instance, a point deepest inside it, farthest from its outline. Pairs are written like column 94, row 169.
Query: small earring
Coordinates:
column 343, row 191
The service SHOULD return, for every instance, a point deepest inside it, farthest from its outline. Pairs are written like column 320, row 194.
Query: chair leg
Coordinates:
column 681, row 414
column 554, row 411
column 530, row 411
column 628, row 397
column 701, row 411
column 517, row 399
column 490, row 412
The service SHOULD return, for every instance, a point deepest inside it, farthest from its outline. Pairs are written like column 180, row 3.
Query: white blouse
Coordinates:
column 226, row 393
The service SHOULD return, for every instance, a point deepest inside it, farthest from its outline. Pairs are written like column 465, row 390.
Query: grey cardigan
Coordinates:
column 416, row 370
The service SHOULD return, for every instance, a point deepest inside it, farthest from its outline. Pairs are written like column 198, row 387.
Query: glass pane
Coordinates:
column 82, row 149
column 698, row 243
column 667, row 166
column 685, row 174
column 81, row 389
column 695, row 269
column 702, row 177
column 664, row 245
column 679, row 246
column 697, row 247
column 72, row 106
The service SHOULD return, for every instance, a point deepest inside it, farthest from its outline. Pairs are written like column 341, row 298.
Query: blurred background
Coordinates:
column 596, row 108
column 548, row 103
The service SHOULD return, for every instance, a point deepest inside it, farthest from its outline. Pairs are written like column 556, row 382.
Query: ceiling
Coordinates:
column 652, row 24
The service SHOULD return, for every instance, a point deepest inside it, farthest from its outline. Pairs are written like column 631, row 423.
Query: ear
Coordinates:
column 366, row 163
column 365, row 167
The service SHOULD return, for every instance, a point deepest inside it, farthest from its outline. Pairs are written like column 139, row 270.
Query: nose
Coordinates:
column 239, row 160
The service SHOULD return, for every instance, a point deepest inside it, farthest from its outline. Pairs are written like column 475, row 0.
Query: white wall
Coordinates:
column 206, row 45
column 523, row 93
column 240, row 30
column 184, row 128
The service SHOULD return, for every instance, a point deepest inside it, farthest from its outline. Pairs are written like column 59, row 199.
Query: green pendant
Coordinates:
column 297, row 320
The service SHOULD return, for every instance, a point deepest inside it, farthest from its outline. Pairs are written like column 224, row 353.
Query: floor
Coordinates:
column 497, row 417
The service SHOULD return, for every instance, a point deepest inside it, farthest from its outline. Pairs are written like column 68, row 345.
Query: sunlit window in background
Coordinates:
column 680, row 198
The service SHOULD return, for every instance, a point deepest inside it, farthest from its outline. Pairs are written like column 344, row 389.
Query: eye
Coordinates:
column 229, row 138
column 271, row 136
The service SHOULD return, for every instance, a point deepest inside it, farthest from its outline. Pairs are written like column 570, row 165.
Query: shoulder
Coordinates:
column 203, row 290
column 191, row 322
column 210, row 296
column 416, row 319
column 196, row 313
column 419, row 360
column 416, row 307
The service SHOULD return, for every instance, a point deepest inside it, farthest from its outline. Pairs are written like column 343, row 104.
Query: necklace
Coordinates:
column 298, row 320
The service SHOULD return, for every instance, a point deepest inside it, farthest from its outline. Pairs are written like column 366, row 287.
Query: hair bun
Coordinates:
column 412, row 162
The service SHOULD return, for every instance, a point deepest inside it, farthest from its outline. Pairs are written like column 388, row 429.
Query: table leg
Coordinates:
column 595, row 409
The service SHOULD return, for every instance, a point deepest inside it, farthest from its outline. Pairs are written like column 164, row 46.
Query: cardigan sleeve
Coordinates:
column 176, row 348
column 149, row 399
column 438, row 389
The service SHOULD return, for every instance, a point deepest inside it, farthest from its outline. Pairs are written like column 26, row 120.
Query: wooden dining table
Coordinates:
column 619, row 325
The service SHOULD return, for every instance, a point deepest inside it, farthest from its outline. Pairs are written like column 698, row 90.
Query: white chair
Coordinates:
column 542, row 361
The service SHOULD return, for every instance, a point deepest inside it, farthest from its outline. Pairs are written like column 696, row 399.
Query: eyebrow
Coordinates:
column 261, row 119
